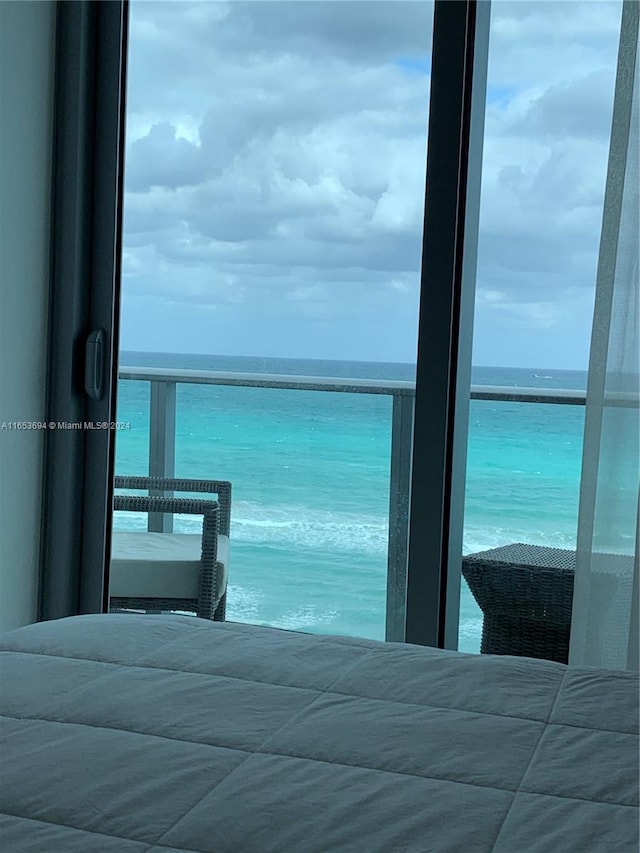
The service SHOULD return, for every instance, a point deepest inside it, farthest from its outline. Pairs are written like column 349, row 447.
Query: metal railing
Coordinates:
column 162, row 438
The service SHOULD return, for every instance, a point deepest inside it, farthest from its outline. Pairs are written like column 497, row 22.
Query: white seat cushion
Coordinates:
column 161, row 565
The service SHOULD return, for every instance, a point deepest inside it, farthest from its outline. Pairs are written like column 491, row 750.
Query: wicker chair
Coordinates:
column 157, row 572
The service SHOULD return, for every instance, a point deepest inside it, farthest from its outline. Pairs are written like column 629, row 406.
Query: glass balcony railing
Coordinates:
column 320, row 468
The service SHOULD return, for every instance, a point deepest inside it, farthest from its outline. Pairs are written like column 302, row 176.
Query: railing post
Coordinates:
column 399, row 490
column 162, row 444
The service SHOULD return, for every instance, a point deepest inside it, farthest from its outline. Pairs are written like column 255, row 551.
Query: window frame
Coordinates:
column 86, row 233
column 445, row 330
column 85, row 291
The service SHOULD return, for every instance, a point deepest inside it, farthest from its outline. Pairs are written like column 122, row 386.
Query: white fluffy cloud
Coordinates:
column 275, row 167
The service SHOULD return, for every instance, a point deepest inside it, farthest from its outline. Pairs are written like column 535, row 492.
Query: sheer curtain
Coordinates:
column 604, row 629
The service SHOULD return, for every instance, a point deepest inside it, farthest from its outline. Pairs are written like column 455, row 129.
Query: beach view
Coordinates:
column 310, row 474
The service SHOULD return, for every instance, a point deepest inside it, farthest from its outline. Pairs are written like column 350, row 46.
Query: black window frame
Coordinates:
column 86, row 240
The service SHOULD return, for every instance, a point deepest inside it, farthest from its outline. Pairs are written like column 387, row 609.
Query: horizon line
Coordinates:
column 347, row 360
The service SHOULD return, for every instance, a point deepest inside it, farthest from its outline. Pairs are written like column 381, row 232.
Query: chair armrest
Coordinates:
column 157, row 503
column 221, row 488
column 186, row 506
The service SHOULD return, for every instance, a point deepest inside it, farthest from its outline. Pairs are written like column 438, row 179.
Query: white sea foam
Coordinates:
column 301, row 527
column 129, row 521
column 244, row 604
column 305, row 528
column 469, row 633
column 485, row 538
column 247, row 605
column 306, row 617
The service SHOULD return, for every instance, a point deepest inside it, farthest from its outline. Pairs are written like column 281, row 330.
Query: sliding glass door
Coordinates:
column 551, row 79
column 273, row 219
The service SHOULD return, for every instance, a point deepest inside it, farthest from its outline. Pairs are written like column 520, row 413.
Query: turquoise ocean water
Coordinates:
column 310, row 474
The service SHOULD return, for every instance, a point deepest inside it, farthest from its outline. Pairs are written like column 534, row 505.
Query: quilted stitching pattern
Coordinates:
column 155, row 734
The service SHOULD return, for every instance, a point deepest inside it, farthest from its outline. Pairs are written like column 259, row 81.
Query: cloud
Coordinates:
column 162, row 159
column 276, row 157
column 579, row 109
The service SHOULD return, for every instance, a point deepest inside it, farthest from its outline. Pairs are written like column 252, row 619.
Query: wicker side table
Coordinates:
column 525, row 593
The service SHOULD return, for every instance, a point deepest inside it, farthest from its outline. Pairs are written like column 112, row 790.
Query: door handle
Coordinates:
column 94, row 364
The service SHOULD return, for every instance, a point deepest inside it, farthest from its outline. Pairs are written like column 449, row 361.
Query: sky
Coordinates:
column 275, row 172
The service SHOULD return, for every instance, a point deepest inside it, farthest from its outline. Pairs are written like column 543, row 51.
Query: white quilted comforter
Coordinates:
column 141, row 734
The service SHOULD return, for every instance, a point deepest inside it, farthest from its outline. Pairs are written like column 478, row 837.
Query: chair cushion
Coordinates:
column 161, row 565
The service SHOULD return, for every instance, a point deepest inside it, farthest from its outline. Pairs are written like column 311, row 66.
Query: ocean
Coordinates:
column 310, row 475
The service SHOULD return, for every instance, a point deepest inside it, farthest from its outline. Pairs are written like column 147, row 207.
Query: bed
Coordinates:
column 150, row 734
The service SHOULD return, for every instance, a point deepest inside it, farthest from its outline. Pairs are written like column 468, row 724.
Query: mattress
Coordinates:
column 149, row 734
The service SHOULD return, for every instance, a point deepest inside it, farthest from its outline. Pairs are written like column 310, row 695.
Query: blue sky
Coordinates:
column 275, row 178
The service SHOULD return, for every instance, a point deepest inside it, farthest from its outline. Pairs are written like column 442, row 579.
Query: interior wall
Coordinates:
column 27, row 42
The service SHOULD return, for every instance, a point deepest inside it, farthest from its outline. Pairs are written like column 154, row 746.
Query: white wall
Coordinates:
column 27, row 38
